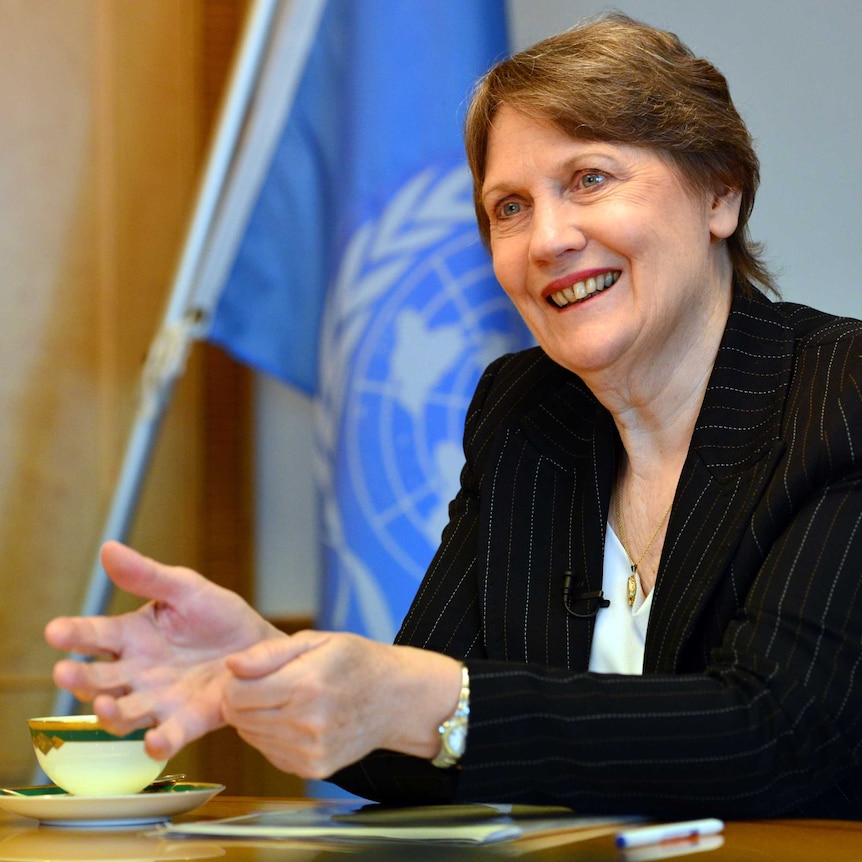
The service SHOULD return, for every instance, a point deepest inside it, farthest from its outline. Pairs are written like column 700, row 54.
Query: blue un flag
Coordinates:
column 361, row 279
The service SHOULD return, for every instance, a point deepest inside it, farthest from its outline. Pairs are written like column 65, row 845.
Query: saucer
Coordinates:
column 53, row 807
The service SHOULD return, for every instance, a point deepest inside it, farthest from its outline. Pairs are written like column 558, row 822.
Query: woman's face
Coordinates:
column 609, row 257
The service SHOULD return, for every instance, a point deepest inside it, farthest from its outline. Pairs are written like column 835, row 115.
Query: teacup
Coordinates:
column 83, row 758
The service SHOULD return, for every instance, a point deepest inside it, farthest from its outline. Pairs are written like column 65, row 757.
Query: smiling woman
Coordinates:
column 646, row 598
column 565, row 214
column 622, row 82
column 645, row 460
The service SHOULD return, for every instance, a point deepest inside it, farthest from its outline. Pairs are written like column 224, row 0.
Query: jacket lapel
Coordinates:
column 733, row 453
column 544, row 514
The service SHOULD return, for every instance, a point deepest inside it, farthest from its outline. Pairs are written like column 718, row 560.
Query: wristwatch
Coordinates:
column 453, row 731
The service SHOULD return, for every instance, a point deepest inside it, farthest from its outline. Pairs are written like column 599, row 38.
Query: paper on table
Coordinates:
column 465, row 824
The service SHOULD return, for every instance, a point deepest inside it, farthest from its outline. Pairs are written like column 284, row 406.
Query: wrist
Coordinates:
column 423, row 690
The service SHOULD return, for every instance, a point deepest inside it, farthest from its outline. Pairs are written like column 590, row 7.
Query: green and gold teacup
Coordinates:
column 80, row 756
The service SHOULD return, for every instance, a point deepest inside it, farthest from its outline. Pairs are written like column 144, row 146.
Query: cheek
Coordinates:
column 506, row 270
column 655, row 247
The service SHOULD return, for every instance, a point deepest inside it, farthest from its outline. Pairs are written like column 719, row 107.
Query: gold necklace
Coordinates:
column 633, row 584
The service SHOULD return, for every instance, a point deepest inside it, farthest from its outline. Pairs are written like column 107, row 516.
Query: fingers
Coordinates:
column 161, row 745
column 263, row 676
column 173, row 725
column 94, row 636
column 102, row 636
column 169, row 738
column 162, row 741
column 260, row 660
column 167, row 658
column 269, row 655
column 87, row 679
column 123, row 714
column 301, row 711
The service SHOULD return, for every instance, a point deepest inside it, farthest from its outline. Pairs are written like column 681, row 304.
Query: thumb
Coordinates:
column 267, row 656
column 144, row 577
column 264, row 658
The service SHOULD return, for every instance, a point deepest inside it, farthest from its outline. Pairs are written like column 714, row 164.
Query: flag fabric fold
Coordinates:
column 360, row 278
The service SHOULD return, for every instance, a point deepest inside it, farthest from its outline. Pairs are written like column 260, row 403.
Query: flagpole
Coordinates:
column 169, row 350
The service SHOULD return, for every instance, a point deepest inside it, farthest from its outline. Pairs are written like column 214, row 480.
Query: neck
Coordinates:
column 656, row 432
column 655, row 403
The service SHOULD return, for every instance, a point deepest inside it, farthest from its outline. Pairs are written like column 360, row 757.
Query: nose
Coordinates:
column 555, row 231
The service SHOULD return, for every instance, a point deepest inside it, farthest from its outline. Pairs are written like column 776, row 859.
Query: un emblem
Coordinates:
column 415, row 316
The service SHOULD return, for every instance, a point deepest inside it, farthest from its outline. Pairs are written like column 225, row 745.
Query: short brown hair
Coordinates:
column 617, row 80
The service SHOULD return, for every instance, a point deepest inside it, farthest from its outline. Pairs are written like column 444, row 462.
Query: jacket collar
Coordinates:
column 741, row 415
column 734, row 450
column 741, row 411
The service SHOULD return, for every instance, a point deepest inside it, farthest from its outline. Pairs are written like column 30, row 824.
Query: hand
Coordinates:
column 165, row 662
column 318, row 701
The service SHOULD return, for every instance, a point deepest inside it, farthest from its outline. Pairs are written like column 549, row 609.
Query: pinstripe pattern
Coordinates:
column 750, row 703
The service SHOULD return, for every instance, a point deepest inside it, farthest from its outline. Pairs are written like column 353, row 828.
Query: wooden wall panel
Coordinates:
column 149, row 159
column 50, row 433
column 98, row 160
column 107, row 107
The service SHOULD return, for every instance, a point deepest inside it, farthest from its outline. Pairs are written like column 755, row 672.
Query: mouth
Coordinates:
column 583, row 290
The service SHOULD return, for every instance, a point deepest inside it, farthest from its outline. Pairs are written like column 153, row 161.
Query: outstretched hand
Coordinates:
column 163, row 665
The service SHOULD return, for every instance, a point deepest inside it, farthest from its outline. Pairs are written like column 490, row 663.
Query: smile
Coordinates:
column 584, row 289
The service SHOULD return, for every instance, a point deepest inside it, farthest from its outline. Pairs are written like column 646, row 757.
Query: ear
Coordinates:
column 724, row 213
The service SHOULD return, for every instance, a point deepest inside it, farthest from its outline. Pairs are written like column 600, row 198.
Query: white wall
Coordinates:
column 795, row 69
column 285, row 519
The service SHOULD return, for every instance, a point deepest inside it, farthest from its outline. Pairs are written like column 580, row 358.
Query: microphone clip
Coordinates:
column 587, row 603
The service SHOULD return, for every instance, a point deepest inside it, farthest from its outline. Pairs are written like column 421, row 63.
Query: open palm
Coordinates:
column 162, row 665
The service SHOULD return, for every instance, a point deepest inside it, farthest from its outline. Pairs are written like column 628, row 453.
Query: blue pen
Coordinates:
column 669, row 832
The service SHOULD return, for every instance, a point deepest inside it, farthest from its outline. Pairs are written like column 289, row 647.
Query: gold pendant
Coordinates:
column 633, row 588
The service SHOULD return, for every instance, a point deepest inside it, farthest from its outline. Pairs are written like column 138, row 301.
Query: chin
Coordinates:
column 580, row 353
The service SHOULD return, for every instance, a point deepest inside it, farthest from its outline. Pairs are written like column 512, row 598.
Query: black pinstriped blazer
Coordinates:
column 751, row 700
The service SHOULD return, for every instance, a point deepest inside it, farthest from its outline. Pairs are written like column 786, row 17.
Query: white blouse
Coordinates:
column 620, row 630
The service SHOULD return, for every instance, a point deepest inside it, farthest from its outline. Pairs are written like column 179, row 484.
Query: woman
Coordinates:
column 678, row 451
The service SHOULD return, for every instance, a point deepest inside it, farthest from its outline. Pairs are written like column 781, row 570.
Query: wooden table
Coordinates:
column 754, row 841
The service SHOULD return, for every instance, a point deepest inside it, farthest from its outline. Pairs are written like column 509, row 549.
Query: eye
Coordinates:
column 590, row 179
column 508, row 209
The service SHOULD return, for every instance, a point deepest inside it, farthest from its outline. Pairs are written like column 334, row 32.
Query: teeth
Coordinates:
column 582, row 289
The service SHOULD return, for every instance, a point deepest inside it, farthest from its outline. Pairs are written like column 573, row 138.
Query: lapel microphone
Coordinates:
column 586, row 604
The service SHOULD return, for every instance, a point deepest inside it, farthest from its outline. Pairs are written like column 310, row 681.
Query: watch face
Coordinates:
column 456, row 738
